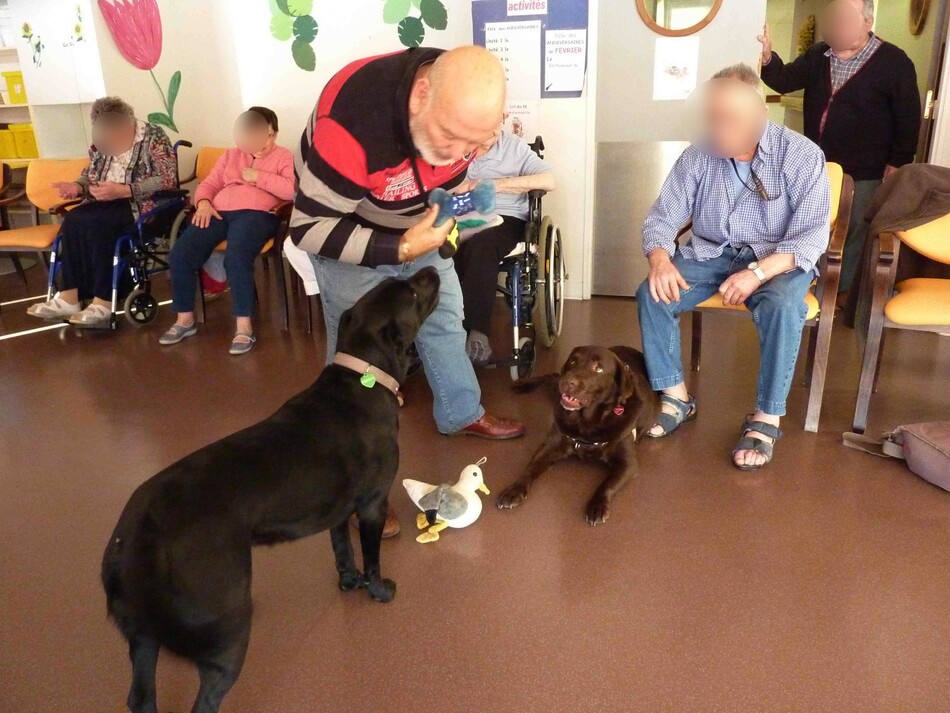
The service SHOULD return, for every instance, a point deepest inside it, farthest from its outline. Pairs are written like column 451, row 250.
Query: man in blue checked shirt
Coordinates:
column 757, row 196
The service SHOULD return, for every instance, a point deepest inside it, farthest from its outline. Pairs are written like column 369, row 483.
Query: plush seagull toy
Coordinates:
column 447, row 505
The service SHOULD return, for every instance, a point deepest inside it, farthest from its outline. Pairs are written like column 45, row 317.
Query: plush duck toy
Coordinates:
column 447, row 505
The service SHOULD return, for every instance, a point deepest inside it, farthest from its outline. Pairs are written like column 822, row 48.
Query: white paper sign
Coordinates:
column 565, row 60
column 521, row 119
column 675, row 67
column 518, row 46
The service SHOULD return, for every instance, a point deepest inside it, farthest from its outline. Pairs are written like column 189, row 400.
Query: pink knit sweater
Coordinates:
column 227, row 190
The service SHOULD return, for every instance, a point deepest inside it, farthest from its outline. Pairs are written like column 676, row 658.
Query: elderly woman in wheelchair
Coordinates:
column 515, row 169
column 235, row 203
column 129, row 162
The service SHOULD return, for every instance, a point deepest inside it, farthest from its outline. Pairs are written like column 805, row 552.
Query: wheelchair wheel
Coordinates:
column 140, row 307
column 525, row 365
column 178, row 227
column 551, row 277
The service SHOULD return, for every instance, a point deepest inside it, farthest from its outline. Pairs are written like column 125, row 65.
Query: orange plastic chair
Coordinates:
column 919, row 303
column 39, row 191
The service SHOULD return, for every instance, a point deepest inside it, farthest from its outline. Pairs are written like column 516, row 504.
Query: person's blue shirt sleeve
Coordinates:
column 673, row 209
column 809, row 198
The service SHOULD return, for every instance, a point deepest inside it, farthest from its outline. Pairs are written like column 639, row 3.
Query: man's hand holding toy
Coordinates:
column 472, row 211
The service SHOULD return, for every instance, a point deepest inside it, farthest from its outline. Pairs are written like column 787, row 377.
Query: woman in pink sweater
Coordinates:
column 233, row 203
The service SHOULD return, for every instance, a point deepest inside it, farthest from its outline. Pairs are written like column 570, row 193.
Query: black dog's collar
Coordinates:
column 369, row 374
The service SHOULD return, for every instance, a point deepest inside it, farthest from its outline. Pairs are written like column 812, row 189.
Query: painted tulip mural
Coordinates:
column 136, row 28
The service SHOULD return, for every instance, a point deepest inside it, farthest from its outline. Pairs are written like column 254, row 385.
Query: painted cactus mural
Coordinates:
column 292, row 19
column 136, row 28
column 410, row 28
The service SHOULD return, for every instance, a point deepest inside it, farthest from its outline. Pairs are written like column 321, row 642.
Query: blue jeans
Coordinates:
column 441, row 341
column 778, row 310
column 246, row 232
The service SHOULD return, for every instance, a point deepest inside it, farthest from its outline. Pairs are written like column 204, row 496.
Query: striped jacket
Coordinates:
column 358, row 170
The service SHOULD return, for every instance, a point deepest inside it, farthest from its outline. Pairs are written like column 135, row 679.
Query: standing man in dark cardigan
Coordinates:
column 862, row 105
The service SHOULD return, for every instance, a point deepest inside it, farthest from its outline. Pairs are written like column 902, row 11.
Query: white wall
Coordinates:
column 625, row 108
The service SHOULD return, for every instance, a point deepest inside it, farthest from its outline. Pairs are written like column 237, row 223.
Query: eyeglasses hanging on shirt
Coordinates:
column 757, row 187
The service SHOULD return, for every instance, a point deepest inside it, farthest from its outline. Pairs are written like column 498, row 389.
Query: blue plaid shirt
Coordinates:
column 795, row 218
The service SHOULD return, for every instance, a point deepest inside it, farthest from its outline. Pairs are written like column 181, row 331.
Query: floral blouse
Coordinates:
column 149, row 166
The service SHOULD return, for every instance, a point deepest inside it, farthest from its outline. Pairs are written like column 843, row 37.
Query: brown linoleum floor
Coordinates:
column 818, row 585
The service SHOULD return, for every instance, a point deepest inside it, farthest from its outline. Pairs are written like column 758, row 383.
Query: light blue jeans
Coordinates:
column 778, row 311
column 440, row 342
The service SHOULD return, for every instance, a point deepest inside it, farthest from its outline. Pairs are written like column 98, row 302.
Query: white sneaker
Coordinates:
column 55, row 308
column 94, row 316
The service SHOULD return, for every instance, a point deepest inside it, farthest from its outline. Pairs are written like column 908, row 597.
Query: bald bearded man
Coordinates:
column 385, row 132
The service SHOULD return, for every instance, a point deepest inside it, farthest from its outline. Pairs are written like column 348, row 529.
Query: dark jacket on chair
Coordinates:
column 873, row 119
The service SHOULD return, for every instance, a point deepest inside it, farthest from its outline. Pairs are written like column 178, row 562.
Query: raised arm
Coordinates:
column 786, row 78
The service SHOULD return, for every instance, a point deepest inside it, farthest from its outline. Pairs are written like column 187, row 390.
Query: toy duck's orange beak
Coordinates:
column 484, row 489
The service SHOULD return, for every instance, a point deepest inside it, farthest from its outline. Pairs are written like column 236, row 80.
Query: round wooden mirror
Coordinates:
column 677, row 18
column 918, row 15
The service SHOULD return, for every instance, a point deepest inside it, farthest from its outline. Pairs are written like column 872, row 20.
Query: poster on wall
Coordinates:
column 675, row 67
column 542, row 43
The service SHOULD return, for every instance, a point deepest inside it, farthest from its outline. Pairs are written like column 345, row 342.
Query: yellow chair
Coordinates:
column 207, row 158
column 918, row 304
column 39, row 191
column 821, row 303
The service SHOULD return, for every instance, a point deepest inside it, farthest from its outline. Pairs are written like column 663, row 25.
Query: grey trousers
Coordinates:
column 857, row 232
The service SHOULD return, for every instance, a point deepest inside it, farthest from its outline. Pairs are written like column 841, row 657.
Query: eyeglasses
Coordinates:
column 759, row 187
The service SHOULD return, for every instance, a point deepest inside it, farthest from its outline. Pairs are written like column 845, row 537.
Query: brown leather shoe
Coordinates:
column 390, row 529
column 492, row 428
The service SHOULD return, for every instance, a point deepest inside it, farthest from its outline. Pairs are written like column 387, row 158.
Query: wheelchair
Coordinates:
column 143, row 253
column 533, row 285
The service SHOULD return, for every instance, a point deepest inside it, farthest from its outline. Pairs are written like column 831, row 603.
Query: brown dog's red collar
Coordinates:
column 369, row 374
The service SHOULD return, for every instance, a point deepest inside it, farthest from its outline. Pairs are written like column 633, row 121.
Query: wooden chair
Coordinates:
column 39, row 191
column 821, row 303
column 918, row 304
column 207, row 157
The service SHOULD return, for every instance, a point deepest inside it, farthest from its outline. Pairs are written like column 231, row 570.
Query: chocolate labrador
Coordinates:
column 177, row 569
column 603, row 403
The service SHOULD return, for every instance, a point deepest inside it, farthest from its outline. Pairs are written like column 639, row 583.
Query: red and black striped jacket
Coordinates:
column 358, row 187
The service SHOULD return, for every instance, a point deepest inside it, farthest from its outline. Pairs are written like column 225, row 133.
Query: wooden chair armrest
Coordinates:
column 62, row 208
column 283, row 210
column 19, row 194
column 888, row 247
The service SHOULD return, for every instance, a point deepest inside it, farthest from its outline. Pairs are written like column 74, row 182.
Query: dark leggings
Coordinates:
column 476, row 263
column 89, row 234
column 246, row 232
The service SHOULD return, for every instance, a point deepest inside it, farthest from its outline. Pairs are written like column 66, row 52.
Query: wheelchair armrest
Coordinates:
column 178, row 203
column 536, row 193
column 167, row 193
column 13, row 197
column 62, row 208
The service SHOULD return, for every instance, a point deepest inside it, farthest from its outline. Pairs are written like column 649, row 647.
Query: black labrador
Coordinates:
column 602, row 404
column 177, row 569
